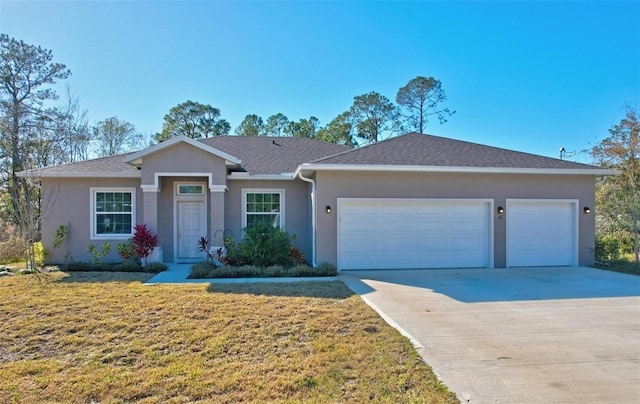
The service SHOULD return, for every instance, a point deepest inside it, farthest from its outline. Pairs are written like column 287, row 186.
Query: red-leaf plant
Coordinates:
column 144, row 241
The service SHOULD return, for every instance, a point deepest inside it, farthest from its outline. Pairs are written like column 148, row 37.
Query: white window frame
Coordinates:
column 195, row 184
column 92, row 218
column 246, row 191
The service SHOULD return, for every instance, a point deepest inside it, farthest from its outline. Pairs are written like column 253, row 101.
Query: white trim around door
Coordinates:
column 190, row 218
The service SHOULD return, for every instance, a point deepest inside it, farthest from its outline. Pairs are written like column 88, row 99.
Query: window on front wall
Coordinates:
column 263, row 206
column 190, row 189
column 112, row 213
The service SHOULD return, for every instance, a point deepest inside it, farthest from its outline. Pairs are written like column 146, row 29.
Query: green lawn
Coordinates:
column 105, row 337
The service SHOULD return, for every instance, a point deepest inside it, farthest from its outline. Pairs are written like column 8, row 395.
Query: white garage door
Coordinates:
column 413, row 233
column 541, row 233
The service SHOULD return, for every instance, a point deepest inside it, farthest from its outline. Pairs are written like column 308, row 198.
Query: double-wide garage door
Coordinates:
column 413, row 233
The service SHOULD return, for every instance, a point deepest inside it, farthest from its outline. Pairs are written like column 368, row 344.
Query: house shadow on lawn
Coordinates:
column 497, row 285
column 317, row 289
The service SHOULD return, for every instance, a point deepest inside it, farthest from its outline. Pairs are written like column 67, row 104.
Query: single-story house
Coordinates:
column 412, row 201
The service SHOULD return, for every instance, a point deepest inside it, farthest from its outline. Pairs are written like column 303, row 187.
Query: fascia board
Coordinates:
column 136, row 157
column 454, row 169
column 37, row 174
column 272, row 177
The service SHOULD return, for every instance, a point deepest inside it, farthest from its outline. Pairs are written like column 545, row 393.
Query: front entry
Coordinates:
column 191, row 226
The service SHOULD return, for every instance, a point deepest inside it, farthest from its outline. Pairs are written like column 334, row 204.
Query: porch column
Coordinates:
column 150, row 208
column 217, row 215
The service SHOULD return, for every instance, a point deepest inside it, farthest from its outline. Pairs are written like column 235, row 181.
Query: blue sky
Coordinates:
column 529, row 76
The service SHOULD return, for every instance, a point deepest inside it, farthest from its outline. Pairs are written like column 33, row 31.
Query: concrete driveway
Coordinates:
column 535, row 335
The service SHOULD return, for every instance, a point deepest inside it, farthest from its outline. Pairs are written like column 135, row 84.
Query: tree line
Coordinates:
column 371, row 118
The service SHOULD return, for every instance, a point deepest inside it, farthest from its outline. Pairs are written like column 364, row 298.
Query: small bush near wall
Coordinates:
column 40, row 254
column 607, row 249
column 207, row 270
column 265, row 246
column 265, row 252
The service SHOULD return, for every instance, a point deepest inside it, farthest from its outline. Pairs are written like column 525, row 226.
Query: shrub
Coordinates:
column 607, row 249
column 12, row 245
column 203, row 246
column 233, row 252
column 40, row 254
column 127, row 251
column 326, row 269
column 276, row 271
column 206, row 270
column 155, row 267
column 264, row 245
column 296, row 256
column 202, row 270
column 99, row 255
column 144, row 241
column 626, row 243
column 129, row 266
column 61, row 235
column 87, row 267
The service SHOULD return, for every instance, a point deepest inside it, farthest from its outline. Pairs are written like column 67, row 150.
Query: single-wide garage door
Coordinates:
column 541, row 233
column 413, row 233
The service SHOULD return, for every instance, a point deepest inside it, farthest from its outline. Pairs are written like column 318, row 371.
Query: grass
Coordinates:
column 105, row 337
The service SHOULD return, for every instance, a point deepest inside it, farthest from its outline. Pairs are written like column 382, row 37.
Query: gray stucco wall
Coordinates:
column 297, row 209
column 183, row 158
column 332, row 185
column 67, row 202
column 188, row 160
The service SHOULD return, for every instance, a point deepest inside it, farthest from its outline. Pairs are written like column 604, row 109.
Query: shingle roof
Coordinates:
column 276, row 155
column 273, row 155
column 259, row 155
column 107, row 165
column 415, row 149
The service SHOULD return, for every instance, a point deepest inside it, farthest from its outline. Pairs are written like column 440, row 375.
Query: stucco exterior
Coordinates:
column 411, row 166
column 66, row 202
column 332, row 185
column 297, row 209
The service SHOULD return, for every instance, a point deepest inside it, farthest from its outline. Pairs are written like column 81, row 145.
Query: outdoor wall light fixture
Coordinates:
column 500, row 210
column 587, row 210
column 328, row 209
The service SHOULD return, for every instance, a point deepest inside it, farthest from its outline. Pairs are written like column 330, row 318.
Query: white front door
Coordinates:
column 191, row 226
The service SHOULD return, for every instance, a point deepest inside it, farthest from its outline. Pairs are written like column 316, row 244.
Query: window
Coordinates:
column 263, row 206
column 190, row 189
column 112, row 213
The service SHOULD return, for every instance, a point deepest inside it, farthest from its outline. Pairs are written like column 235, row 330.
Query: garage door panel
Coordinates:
column 541, row 233
column 413, row 234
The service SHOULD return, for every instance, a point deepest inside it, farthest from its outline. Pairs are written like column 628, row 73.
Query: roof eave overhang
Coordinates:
column 44, row 174
column 453, row 169
column 136, row 158
column 261, row 177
